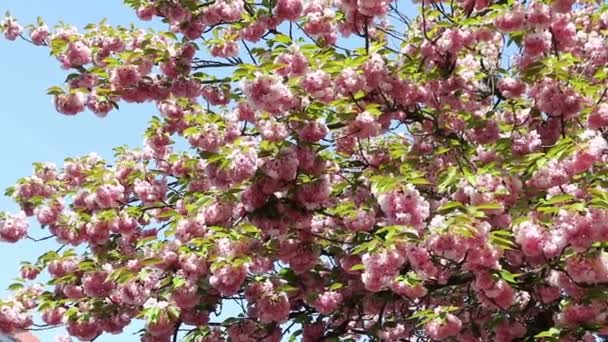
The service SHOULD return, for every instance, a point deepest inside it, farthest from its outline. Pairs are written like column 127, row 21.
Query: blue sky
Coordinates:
column 33, row 131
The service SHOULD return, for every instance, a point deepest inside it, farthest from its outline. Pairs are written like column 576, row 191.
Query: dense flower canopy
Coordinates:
column 350, row 172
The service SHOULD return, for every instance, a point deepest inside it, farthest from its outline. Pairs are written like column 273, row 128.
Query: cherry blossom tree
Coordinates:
column 351, row 172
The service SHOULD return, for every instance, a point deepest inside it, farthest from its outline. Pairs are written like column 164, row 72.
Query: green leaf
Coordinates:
column 16, row 286
column 173, row 311
column 489, row 206
column 450, row 205
column 418, row 181
column 508, row 276
column 382, row 184
column 170, row 35
column 191, row 131
column 144, row 241
column 503, row 239
column 449, row 179
column 288, row 288
column 559, row 199
column 151, row 261
column 336, row 286
column 357, row 267
column 281, row 38
column 178, row 282
column 551, row 333
column 55, row 90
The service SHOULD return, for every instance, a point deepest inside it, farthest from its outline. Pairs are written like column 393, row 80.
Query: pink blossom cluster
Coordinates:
column 381, row 268
column 406, row 206
column 268, row 93
column 315, row 163
column 440, row 329
column 13, row 227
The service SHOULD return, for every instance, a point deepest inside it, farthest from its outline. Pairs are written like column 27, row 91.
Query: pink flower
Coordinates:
column 405, row 206
column 29, row 272
column 109, row 195
column 216, row 95
column 531, row 237
column 145, row 13
column 511, row 87
column 510, row 331
column 539, row 15
column 253, row 197
column 84, row 329
column 349, row 82
column 588, row 270
column 273, row 307
column 125, row 76
column 70, row 103
column 318, row 84
column 39, row 34
column 360, row 221
column 537, row 43
column 47, row 215
column 175, row 13
column 99, row 105
column 130, row 293
column 526, row 144
column 450, row 246
column 301, row 257
column 13, row 227
column 381, row 268
column 193, row 264
column 243, row 164
column 216, row 213
column 282, row 167
column 11, row 27
column 440, row 329
column 293, row 62
column 242, row 331
column 512, row 20
column 269, row 94
column 562, row 6
column 225, row 49
column 228, row 279
column 564, row 33
column 575, row 315
column 319, row 17
column 152, row 191
column 599, row 117
column 313, row 332
column 368, row 8
column 312, row 195
column 61, row 267
column 254, row 31
column 313, row 131
column 327, row 302
column 97, row 284
column 272, row 130
column 289, row 9
column 486, row 133
column 454, row 40
column 365, row 126
column 53, row 316
column 421, row 262
column 550, row 175
column 226, row 10
column 397, row 333
column 374, row 71
column 408, row 290
column 77, row 54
